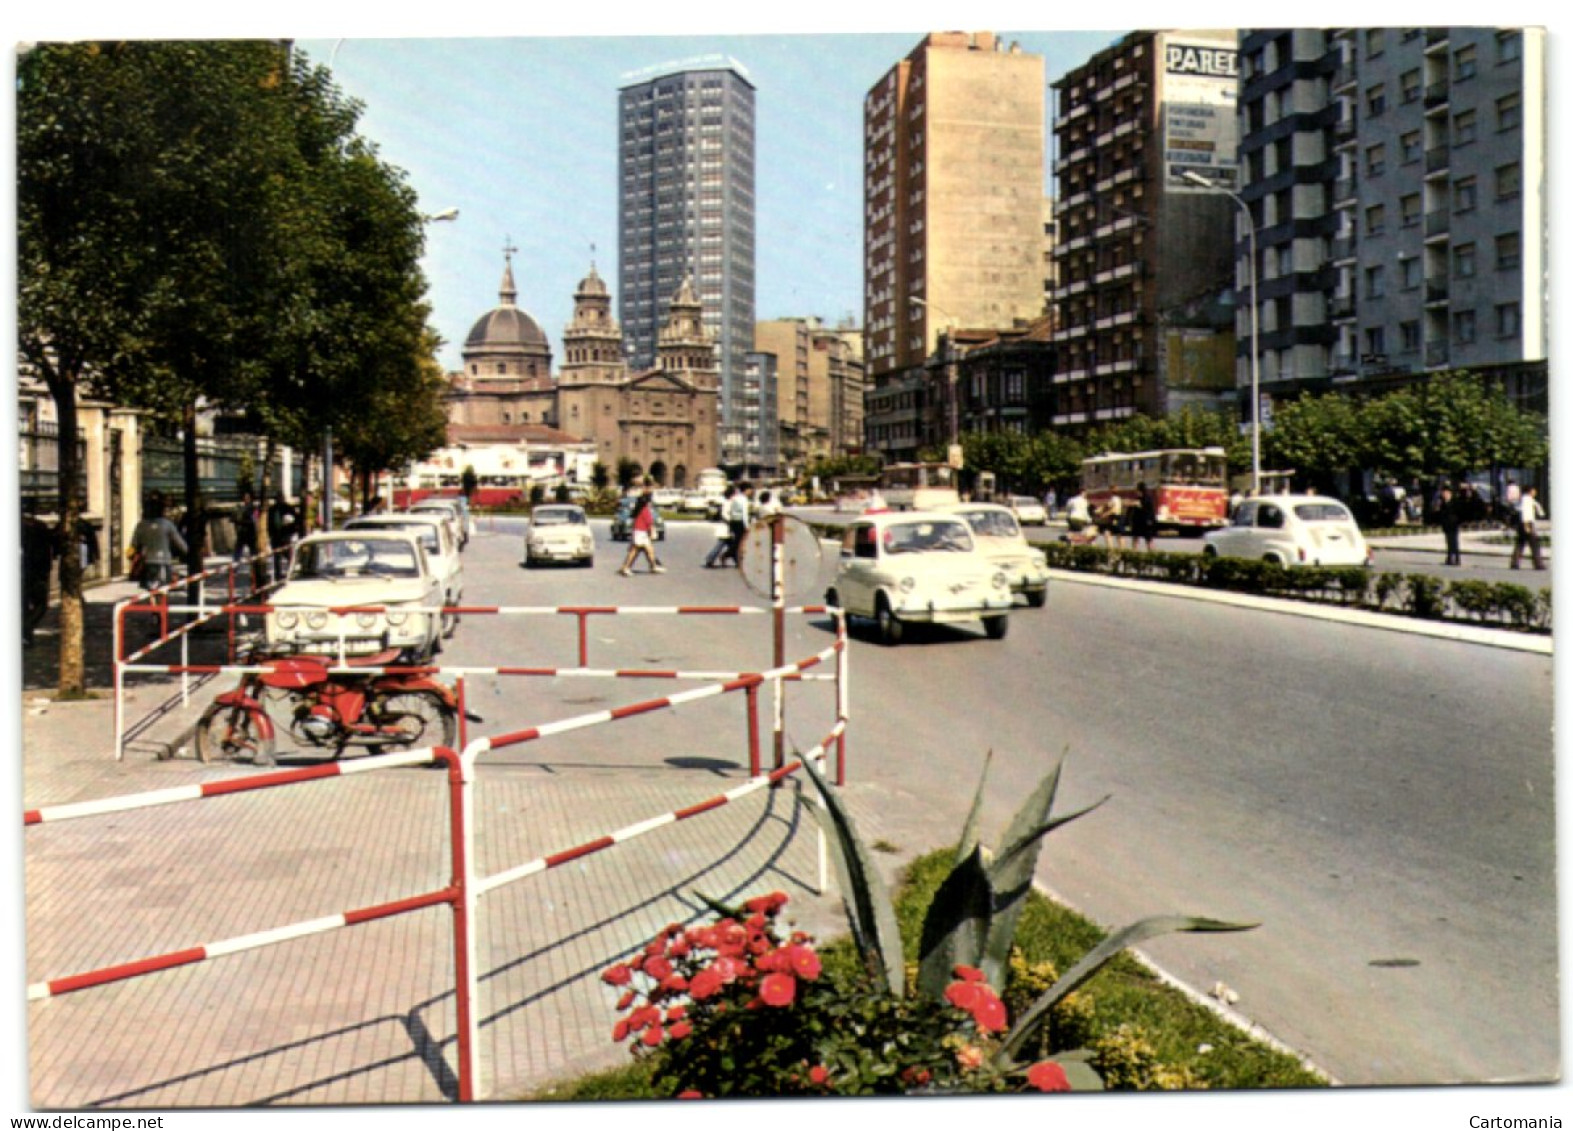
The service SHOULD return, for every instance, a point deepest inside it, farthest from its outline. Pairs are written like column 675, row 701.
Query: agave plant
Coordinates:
column 972, row 919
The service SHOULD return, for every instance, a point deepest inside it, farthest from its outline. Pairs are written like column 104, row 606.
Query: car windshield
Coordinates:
column 926, row 536
column 993, row 524
column 545, row 517
column 1321, row 512
column 427, row 533
column 355, row 557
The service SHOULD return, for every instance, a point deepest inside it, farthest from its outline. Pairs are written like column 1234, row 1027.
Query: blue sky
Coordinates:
column 520, row 134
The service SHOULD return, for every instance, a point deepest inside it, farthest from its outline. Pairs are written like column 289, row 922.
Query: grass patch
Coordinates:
column 1145, row 1035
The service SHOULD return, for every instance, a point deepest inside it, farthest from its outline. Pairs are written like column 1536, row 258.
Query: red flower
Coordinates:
column 778, row 989
column 658, row 968
column 680, row 1030
column 803, row 962
column 819, row 1074
column 969, row 1057
column 626, row 1000
column 989, row 1013
column 676, row 1013
column 767, row 904
column 652, row 1036
column 620, row 1030
column 963, row 995
column 968, row 973
column 644, row 1016
column 1047, row 1076
column 690, row 1095
column 618, row 975
column 676, row 984
column 706, row 983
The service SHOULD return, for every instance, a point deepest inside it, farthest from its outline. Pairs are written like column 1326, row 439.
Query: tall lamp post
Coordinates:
column 952, row 376
column 1256, row 375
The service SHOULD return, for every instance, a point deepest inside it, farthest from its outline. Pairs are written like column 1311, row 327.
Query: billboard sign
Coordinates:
column 1201, row 131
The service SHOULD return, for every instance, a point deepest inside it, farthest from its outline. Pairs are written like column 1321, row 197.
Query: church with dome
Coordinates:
column 665, row 419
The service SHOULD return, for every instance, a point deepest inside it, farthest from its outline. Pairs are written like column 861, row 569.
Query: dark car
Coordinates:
column 623, row 520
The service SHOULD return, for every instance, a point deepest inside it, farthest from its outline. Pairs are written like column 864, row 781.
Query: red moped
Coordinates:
column 329, row 710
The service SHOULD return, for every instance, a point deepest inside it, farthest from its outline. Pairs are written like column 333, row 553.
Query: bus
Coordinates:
column 1189, row 486
column 918, row 486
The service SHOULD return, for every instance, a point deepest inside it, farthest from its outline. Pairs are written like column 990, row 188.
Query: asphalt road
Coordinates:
column 1381, row 803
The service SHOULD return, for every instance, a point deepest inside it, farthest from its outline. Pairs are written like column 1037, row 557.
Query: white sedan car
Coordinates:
column 442, row 552
column 918, row 567
column 1291, row 530
column 559, row 533
column 1001, row 540
column 361, row 591
column 451, row 509
column 1028, row 511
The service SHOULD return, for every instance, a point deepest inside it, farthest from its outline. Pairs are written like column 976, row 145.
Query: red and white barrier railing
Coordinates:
column 462, row 894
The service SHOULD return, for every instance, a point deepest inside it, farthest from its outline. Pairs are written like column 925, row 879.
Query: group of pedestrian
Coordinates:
column 736, row 508
column 1114, row 520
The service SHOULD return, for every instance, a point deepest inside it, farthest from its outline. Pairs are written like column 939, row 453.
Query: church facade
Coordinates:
column 665, row 419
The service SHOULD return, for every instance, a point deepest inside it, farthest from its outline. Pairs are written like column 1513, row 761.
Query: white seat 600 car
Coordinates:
column 1001, row 540
column 918, row 567
column 1292, row 530
column 360, row 590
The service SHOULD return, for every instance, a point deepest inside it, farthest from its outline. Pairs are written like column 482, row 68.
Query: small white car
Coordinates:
column 1028, row 511
column 1001, row 540
column 559, row 533
column 1292, row 530
column 442, row 552
column 694, row 502
column 669, row 497
column 918, row 567
column 332, row 573
column 451, row 508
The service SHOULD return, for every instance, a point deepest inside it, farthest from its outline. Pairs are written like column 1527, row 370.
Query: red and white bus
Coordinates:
column 918, row 486
column 1189, row 486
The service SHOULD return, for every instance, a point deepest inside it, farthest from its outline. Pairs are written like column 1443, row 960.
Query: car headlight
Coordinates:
column 365, row 620
column 906, row 584
column 316, row 620
column 397, row 619
column 1001, row 581
column 288, row 620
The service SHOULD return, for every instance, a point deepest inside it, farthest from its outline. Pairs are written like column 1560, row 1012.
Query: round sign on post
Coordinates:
column 799, row 555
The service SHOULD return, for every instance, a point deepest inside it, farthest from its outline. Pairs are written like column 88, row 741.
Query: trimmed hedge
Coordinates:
column 1498, row 603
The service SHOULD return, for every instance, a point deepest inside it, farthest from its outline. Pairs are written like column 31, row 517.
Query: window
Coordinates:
column 1409, row 147
column 1375, row 159
column 1509, row 181
column 1270, row 516
column 1508, row 251
column 1409, row 209
column 1510, row 112
column 1375, row 220
column 1374, row 287
column 1409, row 337
column 1409, row 85
column 1409, row 269
column 1507, row 320
column 1464, row 127
column 1464, row 194
column 1509, row 46
column 1375, row 100
column 1464, row 326
column 1375, row 341
column 1464, row 261
column 1464, row 63
column 1375, row 42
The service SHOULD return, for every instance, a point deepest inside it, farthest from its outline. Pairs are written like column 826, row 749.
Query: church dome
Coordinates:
column 506, row 329
column 593, row 284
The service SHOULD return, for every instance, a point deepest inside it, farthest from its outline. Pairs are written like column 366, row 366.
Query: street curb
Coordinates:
column 1465, row 634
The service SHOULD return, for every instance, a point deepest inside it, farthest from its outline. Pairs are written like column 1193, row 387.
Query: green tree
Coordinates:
column 1316, row 437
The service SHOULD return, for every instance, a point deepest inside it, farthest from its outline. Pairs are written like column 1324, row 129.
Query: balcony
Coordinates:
column 1436, row 290
column 1436, row 355
column 1341, row 306
column 1438, row 223
column 1344, row 188
column 1437, row 159
column 1436, row 94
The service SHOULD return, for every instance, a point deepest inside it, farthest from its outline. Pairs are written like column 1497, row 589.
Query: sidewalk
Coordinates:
column 362, row 1015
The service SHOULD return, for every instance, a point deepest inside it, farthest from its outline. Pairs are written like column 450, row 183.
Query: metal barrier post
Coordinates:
column 467, row 983
column 778, row 617
column 117, row 629
column 464, row 729
column 751, row 696
column 584, row 638
column 842, row 697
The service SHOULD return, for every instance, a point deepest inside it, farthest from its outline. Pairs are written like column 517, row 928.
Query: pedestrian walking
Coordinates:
column 1144, row 518
column 1112, row 522
column 722, row 547
column 1529, row 516
column 736, row 511
column 1051, row 504
column 769, row 505
column 157, row 540
column 38, row 559
column 1450, row 514
column 246, row 534
column 642, row 540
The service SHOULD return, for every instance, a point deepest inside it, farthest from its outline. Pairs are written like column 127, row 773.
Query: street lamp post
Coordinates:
column 1256, row 376
column 952, row 376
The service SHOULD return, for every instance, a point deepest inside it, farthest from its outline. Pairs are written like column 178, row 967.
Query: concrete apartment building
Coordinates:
column 1396, row 179
column 1139, row 248
column 819, row 388
column 686, row 211
column 953, row 220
